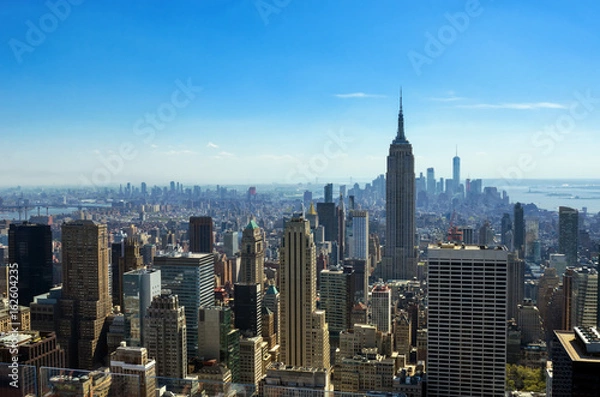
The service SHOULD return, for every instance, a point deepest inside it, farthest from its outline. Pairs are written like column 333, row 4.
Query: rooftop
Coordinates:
column 574, row 348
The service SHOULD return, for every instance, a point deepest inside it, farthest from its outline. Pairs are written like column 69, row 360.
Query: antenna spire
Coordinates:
column 400, row 136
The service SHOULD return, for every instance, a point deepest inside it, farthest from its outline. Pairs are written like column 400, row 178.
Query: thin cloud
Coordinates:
column 358, row 95
column 225, row 154
column 212, row 145
column 178, row 152
column 450, row 98
column 515, row 106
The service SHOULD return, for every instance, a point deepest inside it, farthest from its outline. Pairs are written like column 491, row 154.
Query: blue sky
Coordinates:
column 295, row 90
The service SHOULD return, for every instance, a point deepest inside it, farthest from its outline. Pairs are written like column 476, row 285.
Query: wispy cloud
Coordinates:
column 450, row 98
column 515, row 106
column 212, row 145
column 178, row 152
column 225, row 154
column 358, row 95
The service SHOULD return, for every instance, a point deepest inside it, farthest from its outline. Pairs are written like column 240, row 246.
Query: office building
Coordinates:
column 576, row 363
column 191, row 277
column 252, row 255
column 251, row 360
column 381, row 316
column 201, row 234
column 248, row 304
column 165, row 335
column 85, row 301
column 36, row 348
column 328, row 219
column 139, row 288
column 568, row 230
column 328, row 193
column 337, row 298
column 359, row 243
column 30, row 246
column 218, row 340
column 231, row 244
column 456, row 173
column 399, row 260
column 466, row 325
column 431, row 182
column 272, row 301
column 516, row 284
column 128, row 360
column 519, row 229
column 304, row 331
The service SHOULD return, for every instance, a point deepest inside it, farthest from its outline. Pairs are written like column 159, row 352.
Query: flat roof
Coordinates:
column 574, row 349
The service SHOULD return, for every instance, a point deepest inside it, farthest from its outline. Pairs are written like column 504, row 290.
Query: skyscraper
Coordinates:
column 139, row 287
column 568, row 229
column 456, row 172
column 327, row 218
column 191, row 277
column 218, row 339
column 431, row 182
column 328, row 194
column 165, row 335
column 337, row 298
column 85, row 301
column 304, row 332
column 466, row 343
column 382, row 308
column 519, row 230
column 30, row 246
column 359, row 244
column 248, row 308
column 252, row 255
column 201, row 234
column 505, row 227
column 399, row 260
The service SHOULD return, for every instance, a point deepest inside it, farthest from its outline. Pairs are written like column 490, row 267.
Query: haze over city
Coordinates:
column 199, row 90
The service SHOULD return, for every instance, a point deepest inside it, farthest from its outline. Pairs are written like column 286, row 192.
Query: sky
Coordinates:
column 295, row 91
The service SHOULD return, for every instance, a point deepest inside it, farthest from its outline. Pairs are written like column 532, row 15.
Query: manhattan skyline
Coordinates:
column 283, row 85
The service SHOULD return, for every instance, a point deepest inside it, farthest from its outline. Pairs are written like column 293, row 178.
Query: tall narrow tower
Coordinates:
column 304, row 332
column 456, row 171
column 253, row 254
column 399, row 261
column 85, row 301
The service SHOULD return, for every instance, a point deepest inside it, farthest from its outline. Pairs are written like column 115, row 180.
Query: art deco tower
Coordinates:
column 304, row 332
column 399, row 261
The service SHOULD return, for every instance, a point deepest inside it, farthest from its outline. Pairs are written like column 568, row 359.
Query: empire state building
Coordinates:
column 399, row 260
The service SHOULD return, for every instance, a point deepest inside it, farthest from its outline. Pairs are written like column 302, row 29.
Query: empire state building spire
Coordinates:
column 400, row 136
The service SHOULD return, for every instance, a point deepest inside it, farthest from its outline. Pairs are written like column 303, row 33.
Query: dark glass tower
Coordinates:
column 399, row 261
column 568, row 230
column 30, row 246
column 201, row 234
column 519, row 232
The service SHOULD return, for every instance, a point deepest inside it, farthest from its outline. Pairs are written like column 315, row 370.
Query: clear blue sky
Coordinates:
column 280, row 78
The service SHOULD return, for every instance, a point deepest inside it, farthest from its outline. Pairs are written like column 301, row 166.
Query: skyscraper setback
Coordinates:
column 399, row 261
column 85, row 301
column 304, row 332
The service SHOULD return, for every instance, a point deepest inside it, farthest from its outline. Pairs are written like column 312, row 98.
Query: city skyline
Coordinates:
column 280, row 95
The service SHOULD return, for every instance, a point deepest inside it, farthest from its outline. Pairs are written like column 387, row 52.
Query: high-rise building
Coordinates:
column 85, row 301
column 30, row 246
column 466, row 343
column 516, row 284
column 248, row 308
column 505, row 227
column 165, row 335
column 328, row 219
column 519, row 230
column 130, row 260
column 399, row 261
column 381, row 316
column 576, row 363
column 251, row 360
column 328, row 194
column 191, row 276
column 252, row 255
column 139, row 287
column 402, row 334
column 201, row 234
column 127, row 360
column 431, row 182
column 580, row 297
column 456, row 172
column 272, row 301
column 218, row 339
column 359, row 244
column 568, row 230
column 304, row 331
column 231, row 244
column 337, row 298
